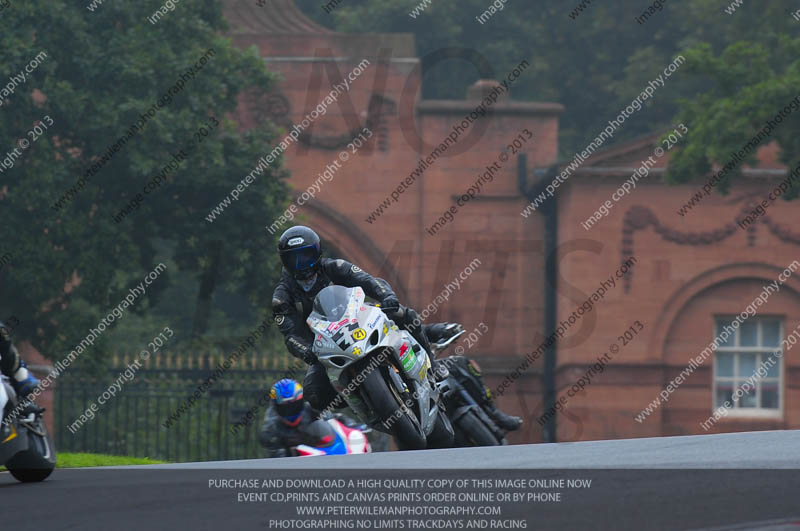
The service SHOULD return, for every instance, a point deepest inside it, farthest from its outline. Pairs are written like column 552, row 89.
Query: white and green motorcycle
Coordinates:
column 381, row 371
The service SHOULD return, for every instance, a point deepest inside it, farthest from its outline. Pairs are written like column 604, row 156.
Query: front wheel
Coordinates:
column 442, row 434
column 393, row 415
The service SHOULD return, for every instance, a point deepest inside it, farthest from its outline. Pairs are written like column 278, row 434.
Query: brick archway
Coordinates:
column 335, row 228
column 686, row 293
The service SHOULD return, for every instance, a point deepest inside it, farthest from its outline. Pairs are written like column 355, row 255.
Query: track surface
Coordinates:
column 766, row 449
column 729, row 481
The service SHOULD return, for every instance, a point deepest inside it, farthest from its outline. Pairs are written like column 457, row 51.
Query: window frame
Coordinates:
column 736, row 411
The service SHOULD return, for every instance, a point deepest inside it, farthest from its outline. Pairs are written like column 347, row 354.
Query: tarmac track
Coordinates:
column 721, row 482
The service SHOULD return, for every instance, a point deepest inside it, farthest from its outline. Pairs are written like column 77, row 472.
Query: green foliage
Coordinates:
column 741, row 68
column 594, row 64
column 102, row 71
column 105, row 68
column 749, row 85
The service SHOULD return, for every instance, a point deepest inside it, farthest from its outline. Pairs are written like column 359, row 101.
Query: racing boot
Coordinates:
column 503, row 420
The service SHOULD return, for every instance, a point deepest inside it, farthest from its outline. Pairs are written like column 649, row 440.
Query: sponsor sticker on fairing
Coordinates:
column 374, row 322
column 333, row 327
column 407, row 357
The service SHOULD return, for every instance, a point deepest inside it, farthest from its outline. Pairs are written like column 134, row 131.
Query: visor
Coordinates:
column 300, row 259
column 290, row 411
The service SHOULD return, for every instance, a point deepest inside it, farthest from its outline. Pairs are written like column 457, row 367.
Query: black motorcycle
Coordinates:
column 26, row 449
column 471, row 424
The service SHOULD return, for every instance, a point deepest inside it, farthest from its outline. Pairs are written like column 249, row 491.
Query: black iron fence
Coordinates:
column 132, row 422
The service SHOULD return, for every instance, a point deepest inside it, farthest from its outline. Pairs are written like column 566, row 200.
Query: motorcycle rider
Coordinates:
column 287, row 420
column 467, row 373
column 305, row 273
column 12, row 366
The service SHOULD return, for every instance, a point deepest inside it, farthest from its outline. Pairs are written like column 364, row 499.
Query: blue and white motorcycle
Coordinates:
column 334, row 437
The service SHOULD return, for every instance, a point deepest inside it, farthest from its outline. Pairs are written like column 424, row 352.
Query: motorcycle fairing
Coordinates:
column 364, row 329
column 13, row 438
column 346, row 441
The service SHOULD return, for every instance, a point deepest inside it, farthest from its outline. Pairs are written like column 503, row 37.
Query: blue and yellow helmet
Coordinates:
column 287, row 396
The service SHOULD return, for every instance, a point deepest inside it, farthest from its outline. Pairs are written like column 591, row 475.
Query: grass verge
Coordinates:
column 75, row 460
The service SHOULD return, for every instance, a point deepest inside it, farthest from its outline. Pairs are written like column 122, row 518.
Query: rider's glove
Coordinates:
column 390, row 305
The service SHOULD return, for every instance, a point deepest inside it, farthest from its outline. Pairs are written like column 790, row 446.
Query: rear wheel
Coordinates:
column 475, row 431
column 37, row 462
column 30, row 475
column 393, row 415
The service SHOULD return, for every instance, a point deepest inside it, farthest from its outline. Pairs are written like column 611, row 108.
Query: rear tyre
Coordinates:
column 36, row 463
column 391, row 412
column 30, row 475
column 475, row 431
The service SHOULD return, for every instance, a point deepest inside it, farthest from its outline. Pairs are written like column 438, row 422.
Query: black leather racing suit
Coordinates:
column 291, row 306
column 278, row 437
column 9, row 357
column 468, row 374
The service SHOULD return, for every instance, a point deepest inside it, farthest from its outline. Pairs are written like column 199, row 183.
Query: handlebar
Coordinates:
column 438, row 348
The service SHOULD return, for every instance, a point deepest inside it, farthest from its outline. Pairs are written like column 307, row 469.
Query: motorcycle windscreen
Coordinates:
column 331, row 303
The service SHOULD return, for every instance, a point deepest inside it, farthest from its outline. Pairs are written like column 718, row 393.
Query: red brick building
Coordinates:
column 690, row 270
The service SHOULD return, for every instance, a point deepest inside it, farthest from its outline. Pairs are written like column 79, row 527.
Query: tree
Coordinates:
column 74, row 256
column 747, row 82
column 594, row 64
column 596, row 61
